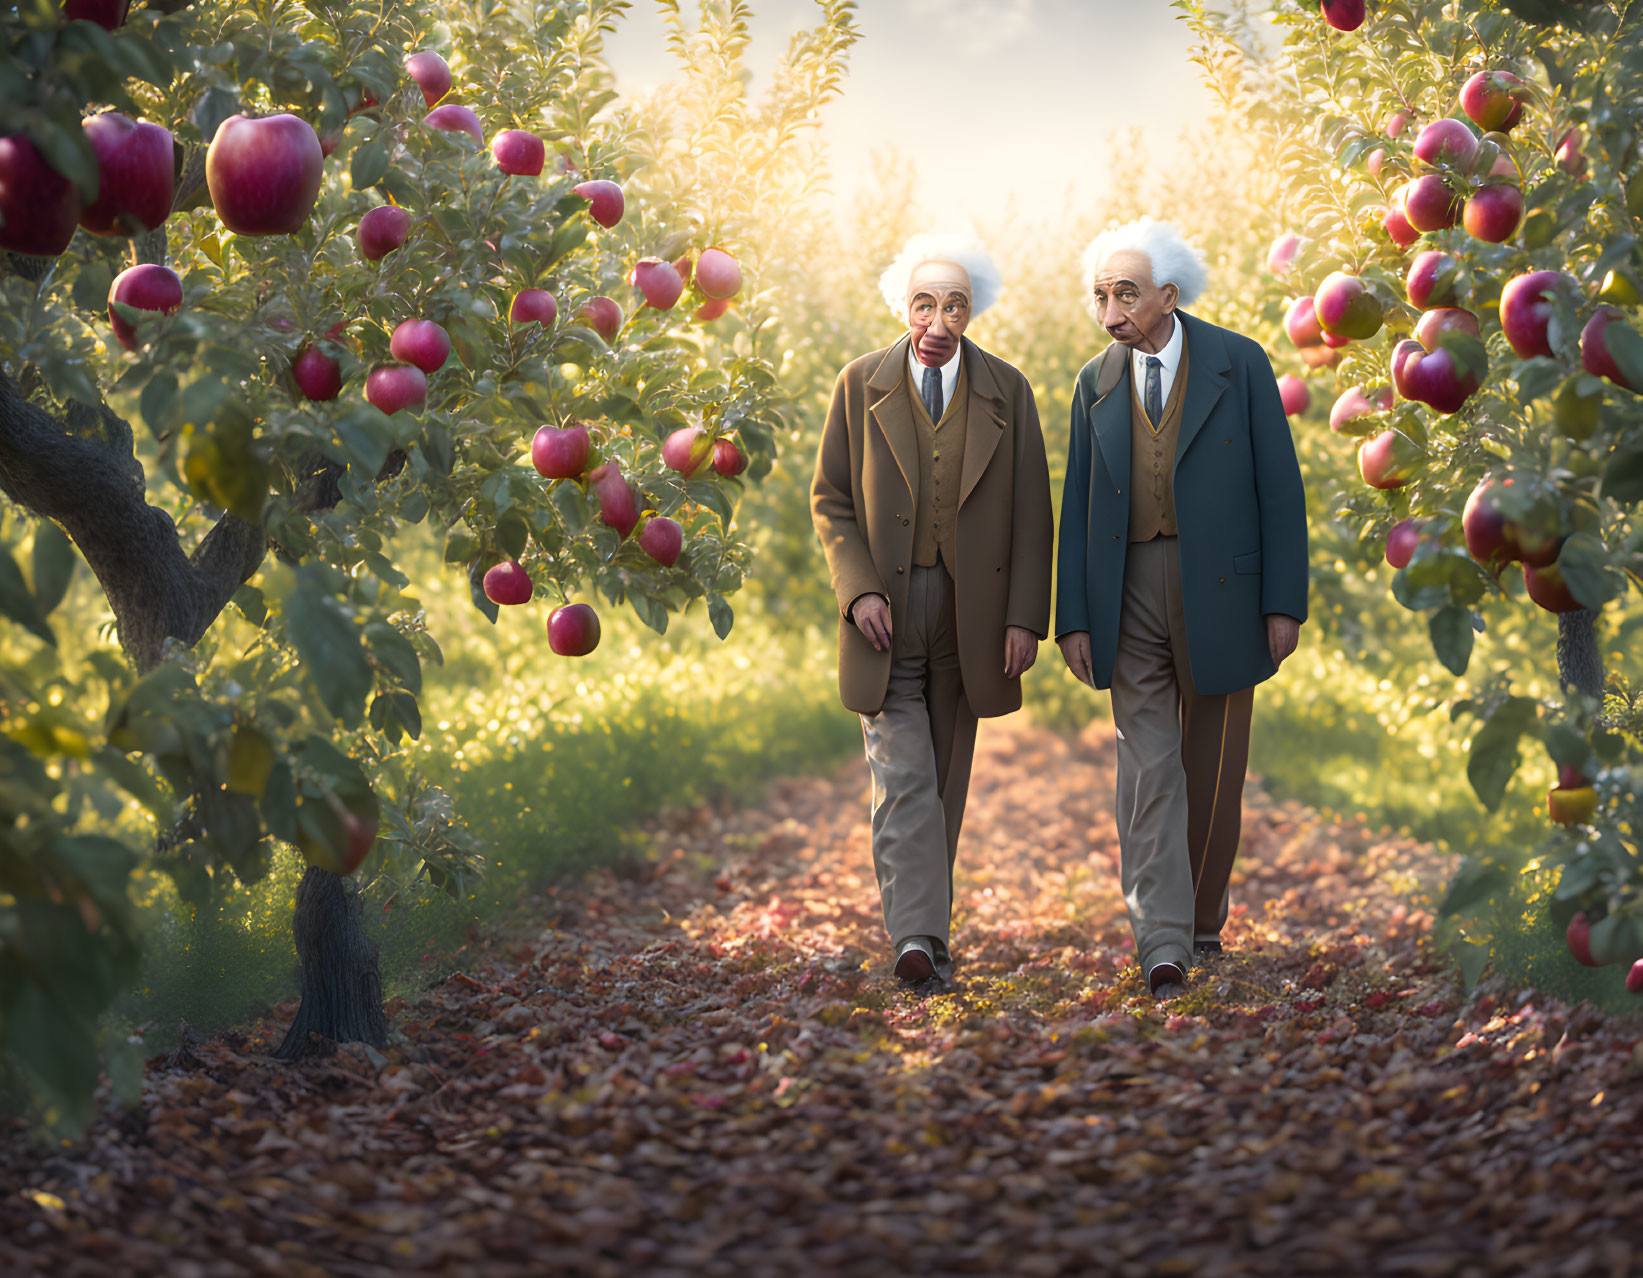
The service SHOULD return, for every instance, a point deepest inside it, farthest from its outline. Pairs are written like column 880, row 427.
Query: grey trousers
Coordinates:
column 1182, row 757
column 919, row 748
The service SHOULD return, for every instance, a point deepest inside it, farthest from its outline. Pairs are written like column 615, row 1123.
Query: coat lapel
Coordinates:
column 892, row 413
column 984, row 425
column 1110, row 414
column 1206, row 361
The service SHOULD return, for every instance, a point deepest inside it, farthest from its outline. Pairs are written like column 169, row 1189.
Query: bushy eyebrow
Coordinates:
column 1116, row 284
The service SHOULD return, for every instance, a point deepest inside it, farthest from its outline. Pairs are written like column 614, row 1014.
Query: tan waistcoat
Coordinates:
column 1152, row 460
column 940, row 471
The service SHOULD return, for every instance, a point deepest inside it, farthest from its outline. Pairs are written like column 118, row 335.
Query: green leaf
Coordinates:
column 67, row 151
column 368, row 164
column 364, row 432
column 396, row 653
column 476, row 588
column 461, row 545
column 408, row 713
column 719, row 613
column 1452, row 637
column 1566, row 746
column 56, row 1047
column 18, row 602
column 158, row 402
column 91, row 284
column 1623, row 476
column 252, row 606
column 1473, row 958
column 329, row 644
column 1625, row 347
column 1584, row 564
column 512, row 532
column 53, row 566
column 1494, row 756
column 215, row 106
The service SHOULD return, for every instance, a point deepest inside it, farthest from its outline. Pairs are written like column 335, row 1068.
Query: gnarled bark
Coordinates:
column 1579, row 660
column 341, row 980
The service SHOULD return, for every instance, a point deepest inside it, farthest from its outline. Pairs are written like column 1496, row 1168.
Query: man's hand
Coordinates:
column 1020, row 651
column 1075, row 651
column 1282, row 634
column 871, row 613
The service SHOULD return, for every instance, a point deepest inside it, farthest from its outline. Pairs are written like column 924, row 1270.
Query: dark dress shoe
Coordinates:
column 1167, row 981
column 1201, row 948
column 915, row 960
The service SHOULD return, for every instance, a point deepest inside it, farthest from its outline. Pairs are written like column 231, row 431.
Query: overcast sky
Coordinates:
column 1043, row 85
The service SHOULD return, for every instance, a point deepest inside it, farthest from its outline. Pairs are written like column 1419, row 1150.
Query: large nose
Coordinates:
column 938, row 323
column 1112, row 314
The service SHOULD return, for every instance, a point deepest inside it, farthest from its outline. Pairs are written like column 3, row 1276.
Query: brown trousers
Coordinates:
column 919, row 748
column 1182, row 757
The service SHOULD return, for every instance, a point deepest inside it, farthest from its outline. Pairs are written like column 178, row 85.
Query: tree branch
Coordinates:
column 82, row 472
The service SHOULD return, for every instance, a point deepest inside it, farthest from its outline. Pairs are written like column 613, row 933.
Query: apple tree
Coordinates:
column 1459, row 190
column 281, row 281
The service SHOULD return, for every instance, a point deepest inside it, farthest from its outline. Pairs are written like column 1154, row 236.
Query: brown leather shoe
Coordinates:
column 915, row 960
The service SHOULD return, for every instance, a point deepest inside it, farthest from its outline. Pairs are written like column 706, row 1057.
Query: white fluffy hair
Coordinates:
column 966, row 251
column 1174, row 261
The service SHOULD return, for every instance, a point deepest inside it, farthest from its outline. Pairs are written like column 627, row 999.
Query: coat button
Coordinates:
column 904, row 523
column 1115, row 536
column 899, row 569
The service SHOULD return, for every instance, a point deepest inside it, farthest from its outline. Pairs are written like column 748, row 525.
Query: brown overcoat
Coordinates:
column 862, row 502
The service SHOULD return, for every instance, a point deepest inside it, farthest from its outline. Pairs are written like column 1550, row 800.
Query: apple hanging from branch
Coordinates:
column 533, row 306
column 136, row 165
column 573, row 630
column 518, row 152
column 604, row 199
column 452, row 118
column 147, row 287
column 431, row 73
column 39, row 208
column 561, row 452
column 264, row 174
column 662, row 539
column 394, row 387
column 507, row 584
column 420, row 342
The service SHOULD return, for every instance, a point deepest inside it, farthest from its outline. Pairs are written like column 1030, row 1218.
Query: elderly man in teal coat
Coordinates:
column 1182, row 576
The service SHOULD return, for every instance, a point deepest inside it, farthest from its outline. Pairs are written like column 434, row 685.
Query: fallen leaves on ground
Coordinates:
column 699, row 1065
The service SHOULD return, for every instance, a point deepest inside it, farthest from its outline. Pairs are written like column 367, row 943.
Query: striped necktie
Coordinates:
column 1155, row 391
column 931, row 393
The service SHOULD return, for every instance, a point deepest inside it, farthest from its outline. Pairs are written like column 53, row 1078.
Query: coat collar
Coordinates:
column 984, row 421
column 1110, row 414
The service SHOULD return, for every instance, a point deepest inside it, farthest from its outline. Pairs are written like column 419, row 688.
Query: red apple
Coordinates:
column 382, row 230
column 618, row 505
column 148, row 288
column 451, row 118
column 518, row 152
column 1493, row 100
column 662, row 540
column 1396, row 221
column 1375, row 161
column 264, row 174
column 1355, row 405
column 421, row 342
column 573, row 630
column 1526, row 312
column 1634, row 978
column 1301, row 323
column 687, row 449
column 1578, row 937
column 1493, row 212
column 1429, row 204
column 1431, row 377
column 1434, row 323
column 659, row 281
column 1293, row 393
column 728, row 460
column 1447, row 144
column 1548, row 589
column 1569, row 777
column 718, row 275
column 1396, row 123
column 38, row 207
column 431, row 73
column 1280, row 258
column 1594, row 348
column 109, row 14
column 318, row 376
column 711, row 310
column 604, row 200
column 683, row 264
column 1401, row 542
column 1345, row 308
column 1387, row 460
column 135, row 168
column 1320, row 356
column 560, row 452
column 1343, row 15
column 1431, row 280
column 507, row 583
column 533, row 306
column 392, row 387
column 603, row 316
column 1572, row 806
column 1570, row 158
column 1488, row 532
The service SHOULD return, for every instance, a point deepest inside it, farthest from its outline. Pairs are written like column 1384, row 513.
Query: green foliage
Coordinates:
column 298, row 712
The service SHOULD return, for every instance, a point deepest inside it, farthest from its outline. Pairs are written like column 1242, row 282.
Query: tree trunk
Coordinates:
column 1579, row 660
column 341, row 979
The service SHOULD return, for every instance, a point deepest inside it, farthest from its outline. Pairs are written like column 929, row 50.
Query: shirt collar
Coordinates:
column 1169, row 357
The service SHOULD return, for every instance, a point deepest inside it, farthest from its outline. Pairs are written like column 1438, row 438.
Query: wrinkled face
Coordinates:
column 1133, row 309
column 938, row 308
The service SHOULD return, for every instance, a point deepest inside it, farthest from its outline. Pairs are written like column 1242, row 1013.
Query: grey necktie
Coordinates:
column 931, row 393
column 1155, row 392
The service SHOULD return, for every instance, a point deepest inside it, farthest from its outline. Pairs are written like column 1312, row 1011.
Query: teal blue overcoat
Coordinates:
column 1240, row 509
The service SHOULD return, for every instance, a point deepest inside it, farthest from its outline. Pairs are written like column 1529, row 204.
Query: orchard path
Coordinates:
column 697, row 1065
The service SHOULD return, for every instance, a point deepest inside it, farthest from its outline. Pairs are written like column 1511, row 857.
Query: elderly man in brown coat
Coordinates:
column 932, row 501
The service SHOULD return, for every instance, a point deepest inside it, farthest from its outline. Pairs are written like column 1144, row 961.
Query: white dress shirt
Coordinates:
column 948, row 371
column 1169, row 358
